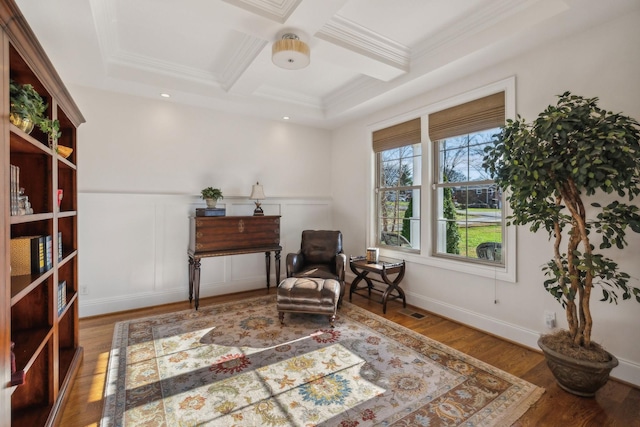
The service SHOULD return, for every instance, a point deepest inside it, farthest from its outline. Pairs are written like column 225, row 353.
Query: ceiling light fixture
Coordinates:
column 290, row 52
column 165, row 95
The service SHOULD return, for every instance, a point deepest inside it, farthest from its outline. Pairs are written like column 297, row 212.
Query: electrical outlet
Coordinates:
column 550, row 319
column 84, row 290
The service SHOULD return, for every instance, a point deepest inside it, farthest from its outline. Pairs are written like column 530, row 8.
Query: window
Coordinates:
column 468, row 214
column 398, row 176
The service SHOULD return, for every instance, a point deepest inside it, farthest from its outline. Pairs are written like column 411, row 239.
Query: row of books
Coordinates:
column 62, row 296
column 33, row 254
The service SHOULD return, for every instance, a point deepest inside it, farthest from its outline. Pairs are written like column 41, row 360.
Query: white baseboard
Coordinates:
column 96, row 307
column 627, row 371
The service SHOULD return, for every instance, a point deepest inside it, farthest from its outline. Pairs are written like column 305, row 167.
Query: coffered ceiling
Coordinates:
column 365, row 54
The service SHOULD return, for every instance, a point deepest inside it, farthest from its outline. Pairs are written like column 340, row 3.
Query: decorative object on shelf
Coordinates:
column 290, row 52
column 60, row 195
column 574, row 150
column 24, row 206
column 64, row 151
column 28, row 109
column 17, row 377
column 211, row 196
column 257, row 194
column 372, row 255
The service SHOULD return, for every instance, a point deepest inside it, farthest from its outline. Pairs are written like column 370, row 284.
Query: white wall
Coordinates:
column 603, row 62
column 142, row 164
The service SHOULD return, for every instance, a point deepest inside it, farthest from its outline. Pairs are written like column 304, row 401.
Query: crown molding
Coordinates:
column 288, row 97
column 481, row 19
column 278, row 11
column 245, row 53
column 352, row 36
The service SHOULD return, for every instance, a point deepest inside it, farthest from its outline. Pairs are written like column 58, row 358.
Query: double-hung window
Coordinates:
column 398, row 176
column 467, row 206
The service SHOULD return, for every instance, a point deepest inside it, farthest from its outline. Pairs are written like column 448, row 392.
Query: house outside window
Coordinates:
column 467, row 206
column 398, row 190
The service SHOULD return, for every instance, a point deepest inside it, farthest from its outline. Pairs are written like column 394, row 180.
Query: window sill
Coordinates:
column 499, row 272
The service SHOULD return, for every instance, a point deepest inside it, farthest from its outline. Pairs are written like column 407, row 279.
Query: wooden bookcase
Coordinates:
column 46, row 338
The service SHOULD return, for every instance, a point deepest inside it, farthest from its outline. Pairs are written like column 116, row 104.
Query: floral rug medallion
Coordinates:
column 234, row 365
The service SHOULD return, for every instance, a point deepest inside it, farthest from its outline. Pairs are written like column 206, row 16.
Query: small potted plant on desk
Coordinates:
column 211, row 196
column 571, row 152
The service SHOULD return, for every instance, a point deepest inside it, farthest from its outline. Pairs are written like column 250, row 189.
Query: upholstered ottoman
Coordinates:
column 308, row 295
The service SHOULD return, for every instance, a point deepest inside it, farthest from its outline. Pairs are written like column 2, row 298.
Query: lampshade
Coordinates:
column 290, row 52
column 257, row 192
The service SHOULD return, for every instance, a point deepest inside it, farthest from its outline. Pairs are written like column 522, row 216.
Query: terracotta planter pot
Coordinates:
column 578, row 377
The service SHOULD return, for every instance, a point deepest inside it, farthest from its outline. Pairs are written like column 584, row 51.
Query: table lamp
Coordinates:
column 257, row 194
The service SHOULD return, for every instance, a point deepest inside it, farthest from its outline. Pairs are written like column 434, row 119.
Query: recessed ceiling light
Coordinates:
column 165, row 95
column 285, row 118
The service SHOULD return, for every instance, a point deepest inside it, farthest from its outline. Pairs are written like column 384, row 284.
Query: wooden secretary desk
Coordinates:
column 231, row 235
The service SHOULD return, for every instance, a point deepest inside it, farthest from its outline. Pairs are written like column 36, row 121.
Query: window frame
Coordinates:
column 425, row 256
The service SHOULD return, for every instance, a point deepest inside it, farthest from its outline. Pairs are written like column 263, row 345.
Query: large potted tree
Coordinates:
column 572, row 154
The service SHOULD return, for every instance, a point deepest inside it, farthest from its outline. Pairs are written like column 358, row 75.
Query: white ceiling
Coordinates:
column 365, row 54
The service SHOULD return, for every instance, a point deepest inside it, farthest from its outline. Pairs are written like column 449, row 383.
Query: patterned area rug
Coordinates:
column 235, row 365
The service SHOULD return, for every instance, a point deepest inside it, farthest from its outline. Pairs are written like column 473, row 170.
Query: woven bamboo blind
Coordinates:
column 473, row 116
column 395, row 136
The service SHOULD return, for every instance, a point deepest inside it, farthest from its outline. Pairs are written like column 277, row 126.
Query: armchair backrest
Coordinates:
column 321, row 246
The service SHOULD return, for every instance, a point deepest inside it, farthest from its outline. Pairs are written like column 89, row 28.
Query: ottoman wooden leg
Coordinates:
column 333, row 318
column 281, row 317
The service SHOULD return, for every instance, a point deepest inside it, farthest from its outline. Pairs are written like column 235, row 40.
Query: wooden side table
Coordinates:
column 361, row 268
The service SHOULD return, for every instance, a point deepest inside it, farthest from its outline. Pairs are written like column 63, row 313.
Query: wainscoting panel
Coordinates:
column 134, row 248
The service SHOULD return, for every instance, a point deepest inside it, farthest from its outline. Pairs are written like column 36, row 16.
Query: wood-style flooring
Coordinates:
column 616, row 404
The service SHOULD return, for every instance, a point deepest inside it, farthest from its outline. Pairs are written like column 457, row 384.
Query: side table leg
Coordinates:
column 277, row 256
column 190, row 280
column 267, row 262
column 196, row 280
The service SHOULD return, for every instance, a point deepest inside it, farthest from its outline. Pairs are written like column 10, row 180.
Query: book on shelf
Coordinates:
column 59, row 246
column 48, row 252
column 14, row 188
column 211, row 211
column 28, row 255
column 62, row 296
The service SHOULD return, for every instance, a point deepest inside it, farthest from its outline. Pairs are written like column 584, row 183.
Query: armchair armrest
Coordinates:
column 341, row 266
column 295, row 261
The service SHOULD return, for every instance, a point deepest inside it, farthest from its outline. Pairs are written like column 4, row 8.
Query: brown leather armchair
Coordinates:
column 321, row 256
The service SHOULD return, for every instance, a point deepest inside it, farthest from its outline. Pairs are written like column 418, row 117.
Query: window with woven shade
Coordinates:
column 467, row 205
column 398, row 151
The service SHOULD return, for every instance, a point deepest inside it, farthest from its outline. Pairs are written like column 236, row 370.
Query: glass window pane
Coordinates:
column 470, row 217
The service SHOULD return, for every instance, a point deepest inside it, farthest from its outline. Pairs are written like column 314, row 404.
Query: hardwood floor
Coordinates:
column 615, row 404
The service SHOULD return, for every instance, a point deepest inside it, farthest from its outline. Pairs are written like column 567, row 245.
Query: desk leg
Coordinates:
column 277, row 268
column 190, row 280
column 267, row 261
column 196, row 280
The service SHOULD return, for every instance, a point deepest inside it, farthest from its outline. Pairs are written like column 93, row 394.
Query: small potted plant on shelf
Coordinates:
column 27, row 106
column 28, row 109
column 211, row 196
column 552, row 167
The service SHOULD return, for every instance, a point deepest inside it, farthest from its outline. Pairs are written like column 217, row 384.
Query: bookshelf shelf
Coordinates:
column 39, row 311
